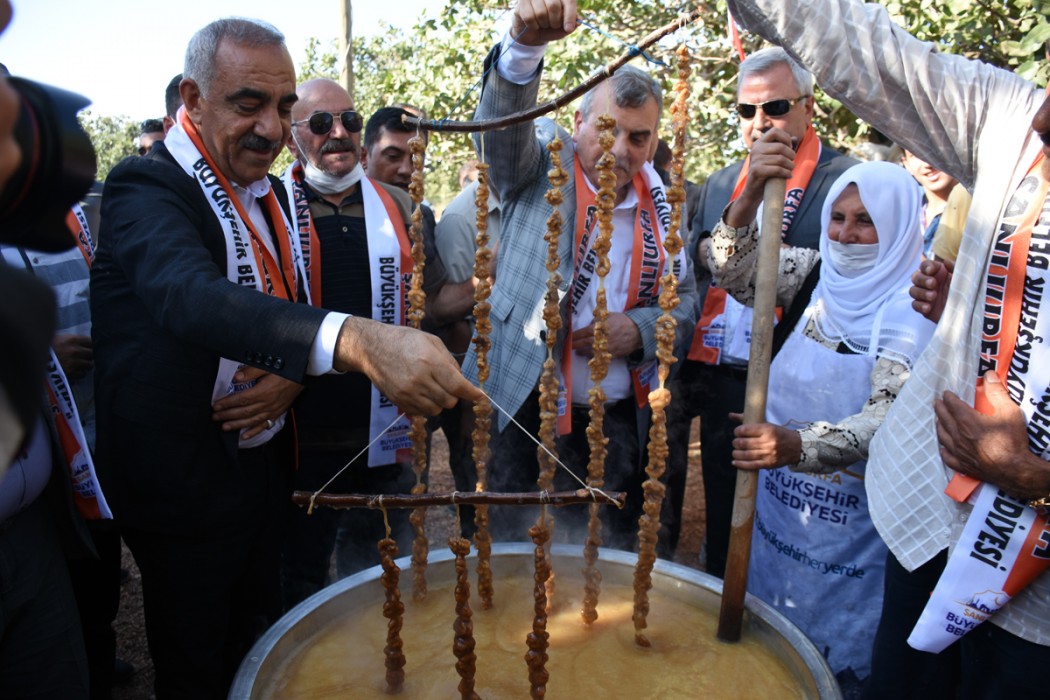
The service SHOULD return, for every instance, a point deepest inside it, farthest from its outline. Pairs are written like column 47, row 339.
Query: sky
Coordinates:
column 121, row 54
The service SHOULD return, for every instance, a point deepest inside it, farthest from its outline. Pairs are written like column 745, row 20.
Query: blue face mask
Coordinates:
column 853, row 259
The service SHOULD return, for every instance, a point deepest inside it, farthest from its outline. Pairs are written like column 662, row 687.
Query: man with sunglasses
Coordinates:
column 775, row 109
column 353, row 230
column 976, row 403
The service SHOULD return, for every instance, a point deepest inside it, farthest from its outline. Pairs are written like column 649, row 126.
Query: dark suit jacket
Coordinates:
column 163, row 314
column 804, row 231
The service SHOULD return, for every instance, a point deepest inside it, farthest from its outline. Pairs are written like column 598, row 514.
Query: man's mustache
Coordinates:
column 254, row 142
column 339, row 146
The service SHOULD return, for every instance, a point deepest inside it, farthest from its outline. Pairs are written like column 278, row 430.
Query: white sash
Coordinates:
column 241, row 267
column 74, row 450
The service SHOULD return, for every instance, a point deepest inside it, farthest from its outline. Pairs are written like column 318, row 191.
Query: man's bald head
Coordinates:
column 336, row 151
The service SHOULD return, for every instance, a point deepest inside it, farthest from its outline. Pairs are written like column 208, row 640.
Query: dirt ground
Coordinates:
column 130, row 627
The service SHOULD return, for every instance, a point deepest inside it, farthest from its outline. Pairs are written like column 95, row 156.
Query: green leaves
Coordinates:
column 112, row 137
column 436, row 65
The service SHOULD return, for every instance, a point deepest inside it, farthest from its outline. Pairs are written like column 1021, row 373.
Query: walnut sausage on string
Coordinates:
column 552, row 318
column 393, row 610
column 463, row 643
column 653, row 488
column 549, row 384
column 417, row 308
column 599, row 365
column 537, row 639
column 543, row 575
column 482, row 409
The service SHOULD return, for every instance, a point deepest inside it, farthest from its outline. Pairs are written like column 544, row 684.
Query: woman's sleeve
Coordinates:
column 828, row 447
column 732, row 257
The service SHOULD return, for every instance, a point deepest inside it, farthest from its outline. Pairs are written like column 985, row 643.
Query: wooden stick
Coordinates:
column 596, row 78
column 732, row 612
column 474, row 498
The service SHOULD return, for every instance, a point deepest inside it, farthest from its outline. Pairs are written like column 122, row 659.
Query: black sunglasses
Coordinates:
column 773, row 108
column 321, row 123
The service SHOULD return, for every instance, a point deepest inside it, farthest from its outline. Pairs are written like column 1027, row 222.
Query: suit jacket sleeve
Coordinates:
column 161, row 243
column 513, row 154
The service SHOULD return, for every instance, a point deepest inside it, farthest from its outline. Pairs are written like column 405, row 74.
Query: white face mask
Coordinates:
column 326, row 183
column 852, row 259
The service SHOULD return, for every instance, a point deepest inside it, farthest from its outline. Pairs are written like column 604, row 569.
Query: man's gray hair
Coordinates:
column 200, row 54
column 766, row 59
column 631, row 87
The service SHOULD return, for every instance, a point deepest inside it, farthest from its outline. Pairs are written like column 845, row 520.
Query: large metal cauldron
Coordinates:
column 291, row 632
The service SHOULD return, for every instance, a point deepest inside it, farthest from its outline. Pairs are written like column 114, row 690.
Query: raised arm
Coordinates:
column 929, row 102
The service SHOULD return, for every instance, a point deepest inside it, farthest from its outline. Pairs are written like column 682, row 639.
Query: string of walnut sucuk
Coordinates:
column 537, row 640
column 599, row 366
column 483, row 408
column 417, row 303
column 549, row 382
column 653, row 489
column 393, row 610
column 463, row 644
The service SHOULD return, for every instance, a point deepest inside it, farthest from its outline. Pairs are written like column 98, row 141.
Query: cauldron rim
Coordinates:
column 761, row 614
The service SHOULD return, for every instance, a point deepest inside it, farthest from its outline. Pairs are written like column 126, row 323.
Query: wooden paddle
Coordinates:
column 735, row 586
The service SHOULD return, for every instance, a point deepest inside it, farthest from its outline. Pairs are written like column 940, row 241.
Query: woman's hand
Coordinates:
column 764, row 445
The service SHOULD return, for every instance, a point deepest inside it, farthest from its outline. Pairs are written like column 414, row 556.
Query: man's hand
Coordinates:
column 764, row 445
column 991, row 448
column 251, row 409
column 772, row 155
column 75, row 354
column 622, row 333
column 537, row 22
column 412, row 368
column 930, row 285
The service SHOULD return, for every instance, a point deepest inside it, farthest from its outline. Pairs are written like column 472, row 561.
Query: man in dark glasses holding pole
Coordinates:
column 775, row 108
column 353, row 231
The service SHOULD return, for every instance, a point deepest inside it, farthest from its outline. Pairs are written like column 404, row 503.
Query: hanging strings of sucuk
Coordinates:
column 537, row 640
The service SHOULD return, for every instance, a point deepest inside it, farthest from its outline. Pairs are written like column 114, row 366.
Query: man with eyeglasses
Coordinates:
column 775, row 108
column 353, row 230
column 202, row 342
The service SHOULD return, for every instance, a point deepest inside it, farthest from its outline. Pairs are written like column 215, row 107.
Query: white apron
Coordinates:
column 815, row 554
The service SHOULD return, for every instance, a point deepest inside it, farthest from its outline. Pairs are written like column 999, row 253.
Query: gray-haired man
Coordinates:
column 519, row 164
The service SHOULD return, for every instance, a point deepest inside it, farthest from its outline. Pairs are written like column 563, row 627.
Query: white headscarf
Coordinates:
column 871, row 313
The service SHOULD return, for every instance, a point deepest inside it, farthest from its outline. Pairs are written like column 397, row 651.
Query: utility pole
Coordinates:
column 346, row 46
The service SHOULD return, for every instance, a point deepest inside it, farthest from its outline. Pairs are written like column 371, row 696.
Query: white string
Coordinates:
column 355, row 458
column 590, row 489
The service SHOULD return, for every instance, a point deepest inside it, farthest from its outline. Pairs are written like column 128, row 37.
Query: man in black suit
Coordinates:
column 775, row 106
column 200, row 351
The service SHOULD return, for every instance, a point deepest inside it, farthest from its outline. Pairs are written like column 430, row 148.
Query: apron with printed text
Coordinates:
column 815, row 554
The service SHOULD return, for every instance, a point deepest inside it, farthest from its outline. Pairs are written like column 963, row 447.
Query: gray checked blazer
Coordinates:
column 519, row 161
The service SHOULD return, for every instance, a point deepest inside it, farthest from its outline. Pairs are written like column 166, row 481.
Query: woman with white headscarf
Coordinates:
column 849, row 339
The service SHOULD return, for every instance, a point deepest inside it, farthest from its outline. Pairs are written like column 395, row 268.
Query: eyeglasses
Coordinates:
column 321, row 123
column 773, row 108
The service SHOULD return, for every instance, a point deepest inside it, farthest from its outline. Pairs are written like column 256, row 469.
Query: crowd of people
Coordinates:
column 224, row 336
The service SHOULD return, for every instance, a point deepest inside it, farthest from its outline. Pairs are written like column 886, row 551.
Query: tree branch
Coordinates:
column 596, row 78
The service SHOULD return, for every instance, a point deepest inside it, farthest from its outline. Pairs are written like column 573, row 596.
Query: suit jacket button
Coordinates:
column 268, row 361
column 278, row 363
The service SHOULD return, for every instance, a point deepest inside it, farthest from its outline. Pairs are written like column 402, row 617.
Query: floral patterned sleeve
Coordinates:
column 732, row 257
column 827, row 448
